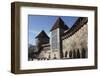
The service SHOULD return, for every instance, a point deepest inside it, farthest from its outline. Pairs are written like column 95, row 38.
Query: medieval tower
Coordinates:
column 64, row 42
column 41, row 38
column 56, row 43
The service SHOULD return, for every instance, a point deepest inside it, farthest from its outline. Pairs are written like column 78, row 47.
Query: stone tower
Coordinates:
column 41, row 38
column 56, row 43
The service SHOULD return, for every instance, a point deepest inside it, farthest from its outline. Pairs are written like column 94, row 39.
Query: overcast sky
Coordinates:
column 38, row 23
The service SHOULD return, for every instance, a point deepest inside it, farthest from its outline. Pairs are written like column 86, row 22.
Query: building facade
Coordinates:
column 75, row 41
column 65, row 42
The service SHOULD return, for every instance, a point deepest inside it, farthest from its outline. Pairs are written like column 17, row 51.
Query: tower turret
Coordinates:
column 56, row 43
column 41, row 38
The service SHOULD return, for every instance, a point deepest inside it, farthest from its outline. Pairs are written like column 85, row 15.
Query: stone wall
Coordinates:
column 45, row 55
column 45, row 52
column 67, row 45
column 75, row 46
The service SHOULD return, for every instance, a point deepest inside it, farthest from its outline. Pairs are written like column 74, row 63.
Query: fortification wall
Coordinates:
column 77, row 41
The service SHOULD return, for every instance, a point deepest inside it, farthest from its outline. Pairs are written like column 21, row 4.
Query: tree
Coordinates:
column 31, row 50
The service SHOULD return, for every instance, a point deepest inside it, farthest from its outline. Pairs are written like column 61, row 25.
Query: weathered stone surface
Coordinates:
column 76, row 41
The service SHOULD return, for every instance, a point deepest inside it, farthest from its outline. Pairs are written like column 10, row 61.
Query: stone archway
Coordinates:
column 70, row 54
column 66, row 54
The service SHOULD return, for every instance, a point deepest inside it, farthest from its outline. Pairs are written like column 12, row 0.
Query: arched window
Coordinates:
column 74, row 54
column 83, row 53
column 70, row 54
column 78, row 53
column 66, row 54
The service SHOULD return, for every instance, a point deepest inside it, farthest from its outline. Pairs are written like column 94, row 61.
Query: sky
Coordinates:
column 37, row 23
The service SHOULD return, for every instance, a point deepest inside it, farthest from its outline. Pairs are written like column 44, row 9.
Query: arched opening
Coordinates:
column 66, row 54
column 74, row 53
column 83, row 53
column 78, row 53
column 70, row 54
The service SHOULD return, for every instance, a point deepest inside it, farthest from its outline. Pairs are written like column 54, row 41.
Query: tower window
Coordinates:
column 54, row 40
